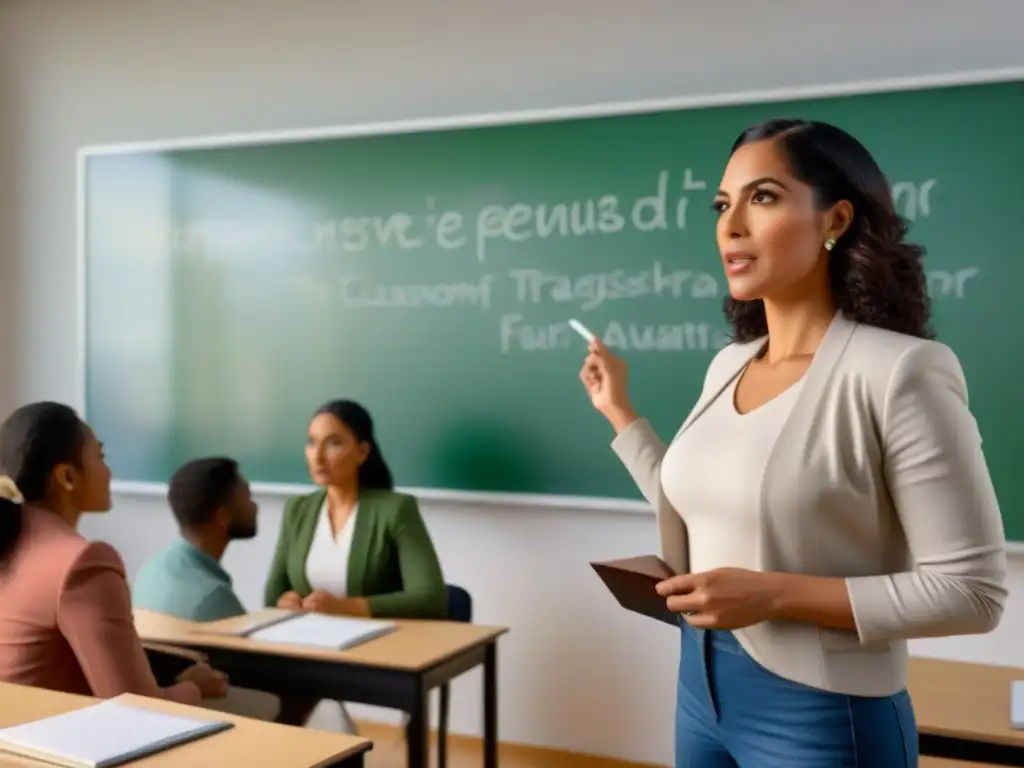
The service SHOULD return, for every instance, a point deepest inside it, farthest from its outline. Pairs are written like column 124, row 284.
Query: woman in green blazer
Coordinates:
column 355, row 547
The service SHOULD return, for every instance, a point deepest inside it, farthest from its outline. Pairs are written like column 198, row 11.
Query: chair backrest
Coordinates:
column 460, row 604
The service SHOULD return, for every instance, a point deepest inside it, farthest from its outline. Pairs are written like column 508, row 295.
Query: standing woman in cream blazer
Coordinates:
column 827, row 498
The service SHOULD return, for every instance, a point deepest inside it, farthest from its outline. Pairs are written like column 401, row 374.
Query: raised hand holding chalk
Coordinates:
column 605, row 378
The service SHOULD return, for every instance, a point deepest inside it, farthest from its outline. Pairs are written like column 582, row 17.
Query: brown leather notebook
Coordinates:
column 632, row 582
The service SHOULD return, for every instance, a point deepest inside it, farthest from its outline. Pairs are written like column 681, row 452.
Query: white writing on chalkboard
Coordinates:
column 517, row 335
column 664, row 206
column 529, row 288
column 607, row 214
column 359, row 292
column 589, row 291
column 913, row 200
column 943, row 284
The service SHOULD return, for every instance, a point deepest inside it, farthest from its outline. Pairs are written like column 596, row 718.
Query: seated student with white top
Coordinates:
column 355, row 547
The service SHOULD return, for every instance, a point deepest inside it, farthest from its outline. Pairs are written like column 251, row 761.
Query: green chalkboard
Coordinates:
column 233, row 287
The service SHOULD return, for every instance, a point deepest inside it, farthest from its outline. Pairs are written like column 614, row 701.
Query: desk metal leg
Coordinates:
column 491, row 706
column 442, row 726
column 417, row 731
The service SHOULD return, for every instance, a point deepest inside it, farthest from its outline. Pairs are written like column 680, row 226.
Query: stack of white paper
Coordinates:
column 109, row 733
column 319, row 631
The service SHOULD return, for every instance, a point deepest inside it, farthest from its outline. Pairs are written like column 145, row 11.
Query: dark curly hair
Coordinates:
column 875, row 276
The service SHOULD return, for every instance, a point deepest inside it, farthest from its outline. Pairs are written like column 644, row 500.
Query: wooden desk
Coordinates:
column 963, row 711
column 396, row 671
column 249, row 743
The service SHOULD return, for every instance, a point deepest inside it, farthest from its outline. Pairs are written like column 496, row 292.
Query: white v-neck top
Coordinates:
column 327, row 562
column 712, row 475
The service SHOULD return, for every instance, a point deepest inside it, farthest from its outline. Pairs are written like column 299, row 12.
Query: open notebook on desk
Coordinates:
column 310, row 629
column 102, row 735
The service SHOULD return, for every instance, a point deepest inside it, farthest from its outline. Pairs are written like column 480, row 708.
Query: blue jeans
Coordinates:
column 734, row 713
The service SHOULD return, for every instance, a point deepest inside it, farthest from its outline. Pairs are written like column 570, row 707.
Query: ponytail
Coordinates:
column 11, row 519
column 34, row 440
column 374, row 474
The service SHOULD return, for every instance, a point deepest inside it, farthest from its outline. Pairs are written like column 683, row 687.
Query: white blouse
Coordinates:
column 327, row 562
column 712, row 476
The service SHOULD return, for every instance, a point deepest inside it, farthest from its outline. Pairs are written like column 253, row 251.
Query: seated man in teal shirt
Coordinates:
column 213, row 505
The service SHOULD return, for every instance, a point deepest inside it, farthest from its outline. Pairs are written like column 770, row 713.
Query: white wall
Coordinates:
column 575, row 671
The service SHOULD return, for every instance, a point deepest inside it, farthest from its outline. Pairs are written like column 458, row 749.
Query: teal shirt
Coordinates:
column 186, row 582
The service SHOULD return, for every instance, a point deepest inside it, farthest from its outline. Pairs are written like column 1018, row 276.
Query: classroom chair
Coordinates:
column 460, row 608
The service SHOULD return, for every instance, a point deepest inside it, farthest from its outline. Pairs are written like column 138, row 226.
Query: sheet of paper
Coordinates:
column 245, row 626
column 1017, row 704
column 318, row 631
column 105, row 734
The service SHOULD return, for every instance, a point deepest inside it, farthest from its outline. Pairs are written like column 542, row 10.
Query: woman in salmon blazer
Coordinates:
column 65, row 609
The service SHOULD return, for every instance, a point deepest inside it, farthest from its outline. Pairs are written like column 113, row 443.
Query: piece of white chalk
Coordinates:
column 581, row 329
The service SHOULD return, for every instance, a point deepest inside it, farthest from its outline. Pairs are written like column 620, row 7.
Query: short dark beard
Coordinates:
column 237, row 531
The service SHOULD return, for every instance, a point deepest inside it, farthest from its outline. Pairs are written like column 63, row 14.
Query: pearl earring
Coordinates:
column 830, row 244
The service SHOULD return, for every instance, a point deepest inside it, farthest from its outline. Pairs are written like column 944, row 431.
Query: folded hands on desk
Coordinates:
column 319, row 601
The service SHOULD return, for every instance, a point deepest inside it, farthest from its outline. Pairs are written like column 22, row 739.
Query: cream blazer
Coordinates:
column 877, row 477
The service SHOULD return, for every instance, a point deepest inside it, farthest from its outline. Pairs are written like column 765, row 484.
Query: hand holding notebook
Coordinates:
column 633, row 580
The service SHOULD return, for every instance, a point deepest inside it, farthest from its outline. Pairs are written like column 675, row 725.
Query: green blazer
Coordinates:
column 392, row 562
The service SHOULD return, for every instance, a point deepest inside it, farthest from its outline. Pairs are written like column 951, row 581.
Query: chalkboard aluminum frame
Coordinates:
column 479, row 498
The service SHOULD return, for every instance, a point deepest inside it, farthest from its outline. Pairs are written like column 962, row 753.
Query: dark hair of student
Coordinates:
column 34, row 440
column 201, row 487
column 374, row 473
column 876, row 277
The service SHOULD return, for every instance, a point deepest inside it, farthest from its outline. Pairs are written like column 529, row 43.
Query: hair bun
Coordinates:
column 9, row 491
